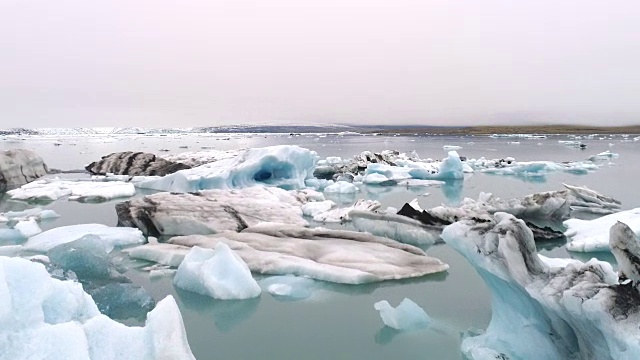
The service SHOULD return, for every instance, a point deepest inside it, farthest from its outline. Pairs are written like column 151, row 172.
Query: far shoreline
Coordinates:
column 527, row 129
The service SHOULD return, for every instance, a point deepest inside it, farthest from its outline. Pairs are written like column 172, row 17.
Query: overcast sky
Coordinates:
column 210, row 62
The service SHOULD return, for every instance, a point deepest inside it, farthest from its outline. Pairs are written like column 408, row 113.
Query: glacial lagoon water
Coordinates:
column 339, row 321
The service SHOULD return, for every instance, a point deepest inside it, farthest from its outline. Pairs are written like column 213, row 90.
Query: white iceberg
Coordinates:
column 593, row 235
column 89, row 191
column 283, row 166
column 218, row 273
column 341, row 187
column 406, row 316
column 110, row 236
column 45, row 318
column 36, row 213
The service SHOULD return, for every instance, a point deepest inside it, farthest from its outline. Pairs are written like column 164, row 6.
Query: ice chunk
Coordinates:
column 87, row 257
column 314, row 208
column 593, row 235
column 406, row 316
column 579, row 310
column 87, row 191
column 341, row 187
column 283, row 166
column 218, row 273
column 288, row 287
column 134, row 164
column 162, row 253
column 28, row 228
column 452, row 147
column 20, row 166
column 45, row 318
column 210, row 211
column 36, row 213
column 110, row 236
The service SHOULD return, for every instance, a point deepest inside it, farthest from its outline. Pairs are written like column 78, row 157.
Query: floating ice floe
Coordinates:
column 331, row 255
column 551, row 205
column 88, row 191
column 406, row 316
column 593, row 235
column 448, row 169
column 341, row 187
column 20, row 166
column 210, row 211
column 283, row 166
column 36, row 213
column 134, row 164
column 579, row 310
column 109, row 236
column 45, row 318
column 218, row 273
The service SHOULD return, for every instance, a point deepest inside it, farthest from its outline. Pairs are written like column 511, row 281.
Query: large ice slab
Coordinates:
column 406, row 316
column 282, row 166
column 134, row 164
column 210, row 211
column 110, row 236
column 331, row 255
column 551, row 205
column 87, row 191
column 218, row 273
column 579, row 310
column 593, row 235
column 45, row 318
column 20, row 166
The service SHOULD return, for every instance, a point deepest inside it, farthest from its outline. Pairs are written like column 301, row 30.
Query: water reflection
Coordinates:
column 452, row 191
column 225, row 314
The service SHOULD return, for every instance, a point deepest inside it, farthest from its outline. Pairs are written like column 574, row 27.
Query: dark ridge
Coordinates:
column 545, row 233
column 626, row 300
column 239, row 220
column 422, row 216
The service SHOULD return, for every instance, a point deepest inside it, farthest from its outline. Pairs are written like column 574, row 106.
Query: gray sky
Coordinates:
column 209, row 62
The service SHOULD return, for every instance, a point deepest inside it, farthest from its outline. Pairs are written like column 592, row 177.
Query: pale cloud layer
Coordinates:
column 208, row 62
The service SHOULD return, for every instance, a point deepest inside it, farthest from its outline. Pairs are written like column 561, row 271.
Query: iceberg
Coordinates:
column 36, row 213
column 134, row 164
column 20, row 166
column 341, row 187
column 85, row 191
column 210, row 211
column 46, row 318
column 282, row 166
column 406, row 316
column 338, row 256
column 218, row 273
column 109, row 236
column 579, row 310
column 593, row 235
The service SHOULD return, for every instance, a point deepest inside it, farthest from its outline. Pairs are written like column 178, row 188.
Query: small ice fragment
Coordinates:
column 407, row 316
column 218, row 273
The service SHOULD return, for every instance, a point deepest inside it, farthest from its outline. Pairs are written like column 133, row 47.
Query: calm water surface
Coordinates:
column 338, row 321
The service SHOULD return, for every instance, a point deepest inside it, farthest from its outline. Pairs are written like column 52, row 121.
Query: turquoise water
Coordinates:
column 338, row 321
